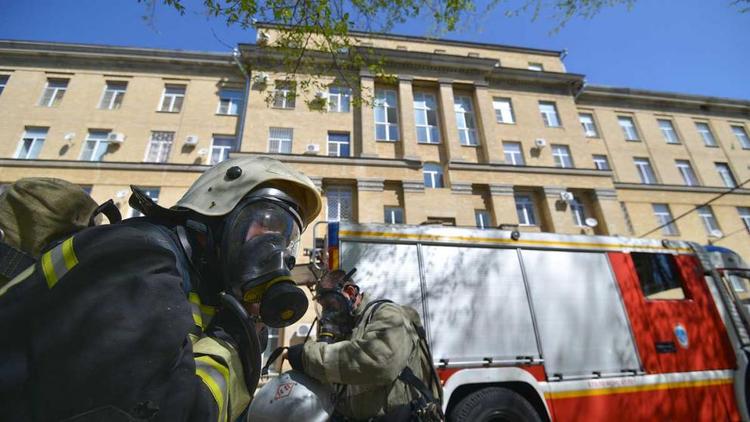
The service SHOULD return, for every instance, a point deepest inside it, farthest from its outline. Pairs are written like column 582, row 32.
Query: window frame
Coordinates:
column 175, row 106
column 535, row 67
column 58, row 93
column 711, row 143
column 431, row 131
column 118, row 90
column 228, row 101
column 675, row 276
column 708, row 218
column 387, row 125
column 636, row 133
column 742, row 137
column 500, row 117
column 645, row 163
column 512, row 153
column 525, row 207
column 34, row 141
column 744, row 213
column 669, row 133
column 725, row 172
column 390, row 213
column 161, row 156
column 578, row 210
column 436, row 176
column 342, row 192
column 598, row 158
column 274, row 135
column 482, row 219
column 466, row 120
column 343, row 97
column 559, row 158
column 223, row 150
column 339, row 144
column 593, row 132
column 102, row 143
column 286, row 91
column 545, row 114
column 3, row 82
column 685, row 168
column 665, row 219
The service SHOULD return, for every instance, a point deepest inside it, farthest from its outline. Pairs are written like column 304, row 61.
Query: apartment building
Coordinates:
column 469, row 134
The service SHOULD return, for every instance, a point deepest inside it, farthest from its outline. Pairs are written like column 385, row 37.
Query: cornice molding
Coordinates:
column 370, row 185
column 507, row 168
column 595, row 93
column 679, row 188
column 104, row 165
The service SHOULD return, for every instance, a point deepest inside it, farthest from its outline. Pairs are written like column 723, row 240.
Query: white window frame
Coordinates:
column 550, row 117
column 230, row 102
column 600, row 159
column 466, row 121
column 589, row 127
column 525, row 209
column 726, row 175
column 708, row 218
column 482, row 219
column 176, row 100
column 668, row 131
column 579, row 212
column 425, row 104
column 434, row 173
column 383, row 102
column 56, row 93
column 113, row 95
column 36, row 139
column 284, row 139
column 686, row 171
column 3, row 82
column 744, row 213
column 516, row 157
column 159, row 146
column 504, row 110
column 100, row 145
column 334, row 146
column 284, row 95
column 390, row 214
column 562, row 156
column 741, row 134
column 221, row 151
column 339, row 99
column 341, row 195
column 704, row 130
column 664, row 217
column 536, row 67
column 627, row 124
column 645, row 170
column 151, row 192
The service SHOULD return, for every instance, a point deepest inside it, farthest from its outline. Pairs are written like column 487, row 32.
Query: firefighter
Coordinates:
column 162, row 317
column 374, row 353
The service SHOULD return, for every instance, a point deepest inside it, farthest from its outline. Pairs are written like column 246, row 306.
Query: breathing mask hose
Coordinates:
column 249, row 344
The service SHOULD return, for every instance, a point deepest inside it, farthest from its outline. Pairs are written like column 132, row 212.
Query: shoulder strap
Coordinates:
column 408, row 377
column 13, row 261
column 183, row 265
column 374, row 305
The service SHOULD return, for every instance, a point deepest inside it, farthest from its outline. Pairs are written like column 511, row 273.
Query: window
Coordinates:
column 433, row 175
column 525, row 210
column 284, row 95
column 578, row 211
column 152, row 193
column 425, row 118
column 741, row 135
column 503, row 110
column 658, row 275
column 467, row 127
column 601, row 162
column 726, row 175
column 482, row 218
column 386, row 115
column 114, row 92
column 339, row 99
column 745, row 216
column 221, row 147
column 705, row 131
column 537, row 67
column 53, row 92
column 280, row 140
column 338, row 144
column 561, row 154
column 709, row 221
column 3, row 83
column 230, row 101
column 628, row 128
column 31, row 143
column 394, row 215
column 664, row 219
column 95, row 146
column 549, row 114
column 172, row 98
column 686, row 170
column 339, row 203
column 667, row 130
column 273, row 344
column 159, row 147
column 513, row 153
column 645, row 171
column 589, row 127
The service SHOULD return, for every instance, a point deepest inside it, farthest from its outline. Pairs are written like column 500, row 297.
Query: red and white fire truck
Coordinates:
column 538, row 326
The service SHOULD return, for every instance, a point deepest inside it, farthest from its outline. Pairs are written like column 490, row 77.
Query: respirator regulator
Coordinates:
column 259, row 243
column 335, row 309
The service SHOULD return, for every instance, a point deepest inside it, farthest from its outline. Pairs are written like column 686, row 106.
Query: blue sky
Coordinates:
column 687, row 46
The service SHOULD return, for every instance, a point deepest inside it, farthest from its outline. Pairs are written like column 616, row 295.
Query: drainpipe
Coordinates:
column 246, row 99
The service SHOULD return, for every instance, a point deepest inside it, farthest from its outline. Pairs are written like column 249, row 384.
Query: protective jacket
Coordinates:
column 367, row 366
column 104, row 327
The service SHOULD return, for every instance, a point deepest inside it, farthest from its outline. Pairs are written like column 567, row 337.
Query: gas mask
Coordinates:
column 259, row 245
column 335, row 310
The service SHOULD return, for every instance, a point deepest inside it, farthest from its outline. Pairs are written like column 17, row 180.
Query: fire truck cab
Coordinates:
column 539, row 326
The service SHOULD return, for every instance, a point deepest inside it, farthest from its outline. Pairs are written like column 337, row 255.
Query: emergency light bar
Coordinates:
column 333, row 246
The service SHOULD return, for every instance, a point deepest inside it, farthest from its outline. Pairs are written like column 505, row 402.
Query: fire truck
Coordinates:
column 551, row 327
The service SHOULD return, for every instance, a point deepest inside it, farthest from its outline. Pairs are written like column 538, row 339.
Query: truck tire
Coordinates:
column 494, row 404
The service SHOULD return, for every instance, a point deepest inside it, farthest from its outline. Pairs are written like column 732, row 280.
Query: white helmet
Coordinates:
column 292, row 396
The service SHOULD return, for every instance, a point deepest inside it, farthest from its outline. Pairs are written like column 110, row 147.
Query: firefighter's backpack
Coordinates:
column 37, row 212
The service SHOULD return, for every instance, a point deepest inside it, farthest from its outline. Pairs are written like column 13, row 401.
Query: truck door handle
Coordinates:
column 666, row 347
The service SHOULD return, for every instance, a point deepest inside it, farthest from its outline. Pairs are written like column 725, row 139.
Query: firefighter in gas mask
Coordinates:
column 374, row 354
column 162, row 317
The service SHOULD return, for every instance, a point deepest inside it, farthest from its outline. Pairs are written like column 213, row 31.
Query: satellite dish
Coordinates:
column 591, row 222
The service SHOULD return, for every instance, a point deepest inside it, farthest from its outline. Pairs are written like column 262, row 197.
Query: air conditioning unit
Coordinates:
column 191, row 140
column 69, row 136
column 320, row 95
column 260, row 78
column 312, row 149
column 302, row 330
column 540, row 143
column 263, row 38
column 566, row 196
column 115, row 137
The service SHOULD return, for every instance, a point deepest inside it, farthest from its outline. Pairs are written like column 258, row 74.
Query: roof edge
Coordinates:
column 651, row 95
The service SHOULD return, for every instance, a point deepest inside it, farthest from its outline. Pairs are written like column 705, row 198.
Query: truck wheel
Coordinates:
column 494, row 404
